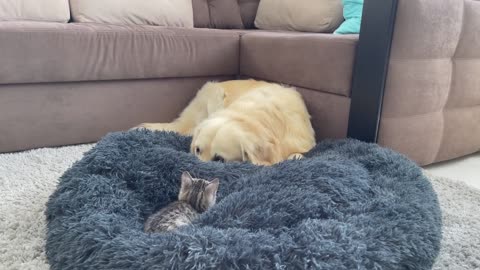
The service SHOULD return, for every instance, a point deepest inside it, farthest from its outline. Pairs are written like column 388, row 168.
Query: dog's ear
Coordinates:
column 263, row 153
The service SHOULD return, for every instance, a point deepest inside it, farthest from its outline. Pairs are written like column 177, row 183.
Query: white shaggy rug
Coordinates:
column 28, row 178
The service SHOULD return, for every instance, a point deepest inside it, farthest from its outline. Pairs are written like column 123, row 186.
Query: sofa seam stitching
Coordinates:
column 419, row 115
column 452, row 79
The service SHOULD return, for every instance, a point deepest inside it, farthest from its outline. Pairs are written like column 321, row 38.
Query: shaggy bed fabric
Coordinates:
column 348, row 205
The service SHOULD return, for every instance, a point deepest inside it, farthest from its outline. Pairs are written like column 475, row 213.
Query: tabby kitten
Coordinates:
column 195, row 197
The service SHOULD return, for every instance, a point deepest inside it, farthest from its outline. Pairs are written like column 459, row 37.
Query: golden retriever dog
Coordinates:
column 245, row 120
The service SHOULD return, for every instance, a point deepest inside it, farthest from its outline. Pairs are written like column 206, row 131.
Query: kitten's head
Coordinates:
column 200, row 194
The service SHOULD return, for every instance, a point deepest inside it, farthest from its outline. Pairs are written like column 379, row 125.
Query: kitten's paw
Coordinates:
column 295, row 156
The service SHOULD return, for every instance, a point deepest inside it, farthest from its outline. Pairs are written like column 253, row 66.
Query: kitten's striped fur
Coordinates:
column 195, row 197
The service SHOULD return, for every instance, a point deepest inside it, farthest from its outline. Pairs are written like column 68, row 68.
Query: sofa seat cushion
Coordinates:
column 55, row 52
column 322, row 62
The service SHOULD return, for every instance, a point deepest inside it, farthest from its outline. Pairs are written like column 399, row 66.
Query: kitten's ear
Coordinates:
column 187, row 181
column 212, row 187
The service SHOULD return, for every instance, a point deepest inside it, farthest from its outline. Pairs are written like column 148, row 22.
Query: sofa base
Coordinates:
column 56, row 114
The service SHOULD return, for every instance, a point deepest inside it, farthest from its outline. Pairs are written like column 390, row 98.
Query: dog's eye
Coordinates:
column 218, row 158
column 197, row 150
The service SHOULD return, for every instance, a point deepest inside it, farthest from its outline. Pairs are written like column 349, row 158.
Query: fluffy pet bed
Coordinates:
column 348, row 205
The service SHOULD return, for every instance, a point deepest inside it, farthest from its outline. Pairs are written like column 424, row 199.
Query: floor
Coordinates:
column 465, row 169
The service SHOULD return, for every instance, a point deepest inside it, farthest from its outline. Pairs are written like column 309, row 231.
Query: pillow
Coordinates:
column 352, row 11
column 299, row 15
column 34, row 10
column 219, row 14
column 248, row 10
column 175, row 13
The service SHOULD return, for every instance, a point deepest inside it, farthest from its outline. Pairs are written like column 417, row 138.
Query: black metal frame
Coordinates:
column 371, row 67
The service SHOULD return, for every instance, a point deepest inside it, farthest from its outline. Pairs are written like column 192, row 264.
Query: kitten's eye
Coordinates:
column 218, row 158
column 197, row 150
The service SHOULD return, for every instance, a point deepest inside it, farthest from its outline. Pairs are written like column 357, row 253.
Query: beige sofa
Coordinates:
column 72, row 83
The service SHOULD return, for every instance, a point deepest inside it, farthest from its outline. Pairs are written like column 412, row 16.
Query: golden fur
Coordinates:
column 245, row 120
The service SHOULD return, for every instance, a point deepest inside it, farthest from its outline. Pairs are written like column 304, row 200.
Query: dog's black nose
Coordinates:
column 218, row 158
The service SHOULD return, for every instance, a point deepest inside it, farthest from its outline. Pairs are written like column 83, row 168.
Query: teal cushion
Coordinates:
column 352, row 12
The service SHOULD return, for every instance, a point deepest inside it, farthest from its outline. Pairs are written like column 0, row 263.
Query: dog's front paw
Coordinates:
column 141, row 126
column 295, row 156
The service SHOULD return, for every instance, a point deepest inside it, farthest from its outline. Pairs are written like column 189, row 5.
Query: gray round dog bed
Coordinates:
column 348, row 205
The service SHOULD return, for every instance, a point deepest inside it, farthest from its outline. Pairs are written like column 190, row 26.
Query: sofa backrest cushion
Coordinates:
column 300, row 15
column 174, row 13
column 34, row 10
column 248, row 10
column 219, row 14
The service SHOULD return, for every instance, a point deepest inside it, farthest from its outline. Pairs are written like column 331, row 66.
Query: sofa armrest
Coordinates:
column 370, row 70
column 431, row 108
column 431, row 102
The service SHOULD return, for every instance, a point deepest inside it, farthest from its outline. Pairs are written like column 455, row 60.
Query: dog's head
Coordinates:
column 226, row 140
